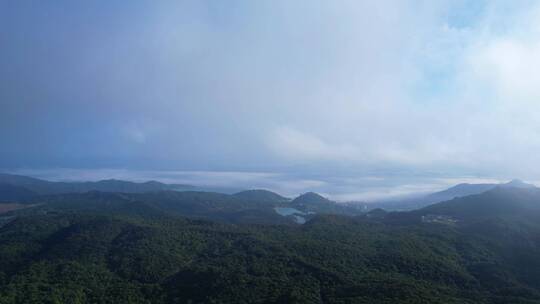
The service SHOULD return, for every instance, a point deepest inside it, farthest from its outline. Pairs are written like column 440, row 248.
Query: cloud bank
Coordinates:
column 309, row 88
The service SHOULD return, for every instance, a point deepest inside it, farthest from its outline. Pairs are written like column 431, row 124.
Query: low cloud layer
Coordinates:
column 339, row 188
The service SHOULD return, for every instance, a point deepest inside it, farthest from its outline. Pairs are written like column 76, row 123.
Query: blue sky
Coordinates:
column 336, row 96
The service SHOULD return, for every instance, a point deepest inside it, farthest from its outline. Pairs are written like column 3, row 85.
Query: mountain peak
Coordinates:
column 310, row 198
column 312, row 194
column 517, row 183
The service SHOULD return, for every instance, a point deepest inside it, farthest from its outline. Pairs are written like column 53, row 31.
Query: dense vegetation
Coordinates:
column 81, row 258
column 140, row 248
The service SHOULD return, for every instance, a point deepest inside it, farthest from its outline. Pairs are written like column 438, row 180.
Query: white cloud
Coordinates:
column 301, row 146
column 285, row 86
column 465, row 97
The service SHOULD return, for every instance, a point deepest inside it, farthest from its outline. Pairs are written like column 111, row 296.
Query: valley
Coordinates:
column 251, row 247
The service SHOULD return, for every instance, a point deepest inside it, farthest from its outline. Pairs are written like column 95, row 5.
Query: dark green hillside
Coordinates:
column 10, row 194
column 200, row 205
column 313, row 202
column 457, row 191
column 310, row 198
column 94, row 202
column 131, row 254
column 251, row 206
column 136, row 248
column 212, row 206
column 499, row 202
column 509, row 203
column 255, row 207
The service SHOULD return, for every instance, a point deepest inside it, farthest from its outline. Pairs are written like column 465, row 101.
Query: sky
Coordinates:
column 354, row 99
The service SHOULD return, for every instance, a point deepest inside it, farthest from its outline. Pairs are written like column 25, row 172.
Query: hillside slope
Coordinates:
column 116, row 248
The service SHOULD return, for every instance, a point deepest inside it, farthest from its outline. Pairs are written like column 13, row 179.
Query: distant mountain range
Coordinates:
column 459, row 190
column 500, row 202
column 41, row 187
column 19, row 187
column 470, row 189
column 245, row 206
column 114, row 196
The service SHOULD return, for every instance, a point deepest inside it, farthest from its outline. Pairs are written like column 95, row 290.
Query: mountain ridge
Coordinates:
column 45, row 187
column 459, row 190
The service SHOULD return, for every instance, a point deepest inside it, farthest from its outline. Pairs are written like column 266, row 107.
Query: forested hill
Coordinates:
column 457, row 191
column 112, row 248
column 254, row 206
column 44, row 187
